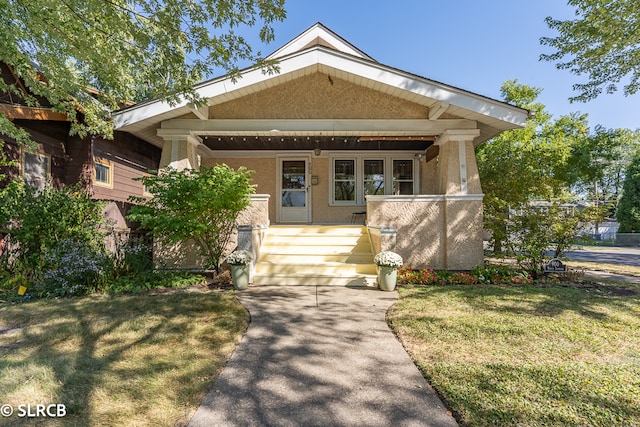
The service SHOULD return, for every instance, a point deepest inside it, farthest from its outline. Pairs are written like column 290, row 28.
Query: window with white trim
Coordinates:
column 402, row 176
column 373, row 177
column 36, row 168
column 357, row 176
column 344, row 179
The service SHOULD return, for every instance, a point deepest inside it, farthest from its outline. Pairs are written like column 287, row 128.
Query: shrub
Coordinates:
column 154, row 279
column 200, row 206
column 38, row 220
column 72, row 268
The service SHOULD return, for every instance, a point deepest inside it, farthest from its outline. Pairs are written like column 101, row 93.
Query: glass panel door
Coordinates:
column 294, row 191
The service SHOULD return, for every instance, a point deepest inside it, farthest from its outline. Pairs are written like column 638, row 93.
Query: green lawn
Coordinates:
column 526, row 356
column 143, row 360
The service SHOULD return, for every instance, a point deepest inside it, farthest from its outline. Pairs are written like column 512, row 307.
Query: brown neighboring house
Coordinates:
column 106, row 168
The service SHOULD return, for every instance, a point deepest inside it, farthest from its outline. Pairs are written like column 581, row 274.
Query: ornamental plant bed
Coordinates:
column 492, row 275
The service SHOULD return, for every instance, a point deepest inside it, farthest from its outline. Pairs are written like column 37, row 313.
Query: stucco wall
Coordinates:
column 318, row 96
column 429, row 177
column 464, row 234
column 473, row 175
column 419, row 226
column 438, row 232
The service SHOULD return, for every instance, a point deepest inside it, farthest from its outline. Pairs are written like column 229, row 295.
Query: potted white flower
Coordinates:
column 388, row 263
column 240, row 262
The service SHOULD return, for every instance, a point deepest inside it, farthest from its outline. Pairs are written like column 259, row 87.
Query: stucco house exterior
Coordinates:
column 336, row 137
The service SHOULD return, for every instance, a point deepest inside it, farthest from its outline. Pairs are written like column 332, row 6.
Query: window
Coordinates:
column 35, row 169
column 344, row 174
column 103, row 173
column 359, row 176
column 402, row 177
column 373, row 177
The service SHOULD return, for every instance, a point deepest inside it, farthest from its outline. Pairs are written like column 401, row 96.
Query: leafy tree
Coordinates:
column 597, row 165
column 195, row 205
column 527, row 175
column 603, row 42
column 521, row 165
column 125, row 49
column 39, row 221
column 629, row 209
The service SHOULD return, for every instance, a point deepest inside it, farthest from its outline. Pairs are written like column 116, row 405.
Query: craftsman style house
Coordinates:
column 336, row 137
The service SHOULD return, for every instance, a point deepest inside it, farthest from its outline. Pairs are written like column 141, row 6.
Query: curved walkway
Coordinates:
column 320, row 356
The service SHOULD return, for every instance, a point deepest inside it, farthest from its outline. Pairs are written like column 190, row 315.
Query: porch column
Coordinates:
column 462, row 207
column 180, row 151
column 457, row 168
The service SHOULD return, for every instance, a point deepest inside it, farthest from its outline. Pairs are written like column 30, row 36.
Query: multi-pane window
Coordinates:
column 373, row 177
column 103, row 172
column 402, row 177
column 344, row 180
column 35, row 169
column 355, row 178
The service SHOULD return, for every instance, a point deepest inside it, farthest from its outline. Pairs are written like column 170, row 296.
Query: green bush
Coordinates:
column 201, row 206
column 153, row 279
column 38, row 221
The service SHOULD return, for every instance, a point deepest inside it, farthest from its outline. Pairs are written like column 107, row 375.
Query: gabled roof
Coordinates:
column 318, row 35
column 319, row 50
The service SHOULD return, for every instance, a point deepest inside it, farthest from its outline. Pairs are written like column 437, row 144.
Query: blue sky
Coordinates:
column 470, row 44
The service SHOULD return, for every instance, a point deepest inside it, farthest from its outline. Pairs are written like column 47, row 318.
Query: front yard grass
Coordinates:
column 117, row 360
column 527, row 355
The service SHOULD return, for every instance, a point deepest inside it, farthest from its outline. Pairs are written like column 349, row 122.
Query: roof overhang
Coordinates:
column 152, row 120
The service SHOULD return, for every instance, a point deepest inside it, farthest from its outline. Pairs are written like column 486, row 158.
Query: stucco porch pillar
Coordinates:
column 459, row 181
column 457, row 168
column 180, row 151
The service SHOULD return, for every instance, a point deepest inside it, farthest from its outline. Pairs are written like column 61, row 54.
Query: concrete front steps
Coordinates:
column 316, row 255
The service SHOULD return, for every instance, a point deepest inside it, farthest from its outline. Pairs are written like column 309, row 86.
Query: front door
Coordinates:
column 294, row 189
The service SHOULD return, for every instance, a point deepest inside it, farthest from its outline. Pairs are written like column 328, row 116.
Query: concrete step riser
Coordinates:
column 318, row 230
column 338, row 270
column 315, row 240
column 314, row 280
column 316, row 259
column 284, row 249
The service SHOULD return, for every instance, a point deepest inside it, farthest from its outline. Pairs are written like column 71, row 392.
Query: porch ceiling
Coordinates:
column 329, row 143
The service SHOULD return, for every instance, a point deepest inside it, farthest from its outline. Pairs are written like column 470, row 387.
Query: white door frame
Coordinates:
column 293, row 214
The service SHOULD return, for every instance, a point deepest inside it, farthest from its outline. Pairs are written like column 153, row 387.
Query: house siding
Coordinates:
column 130, row 158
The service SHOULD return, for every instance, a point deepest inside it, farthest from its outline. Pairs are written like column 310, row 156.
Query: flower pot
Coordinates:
column 387, row 278
column 240, row 276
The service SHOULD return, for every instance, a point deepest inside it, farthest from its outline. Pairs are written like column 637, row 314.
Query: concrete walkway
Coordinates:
column 320, row 356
